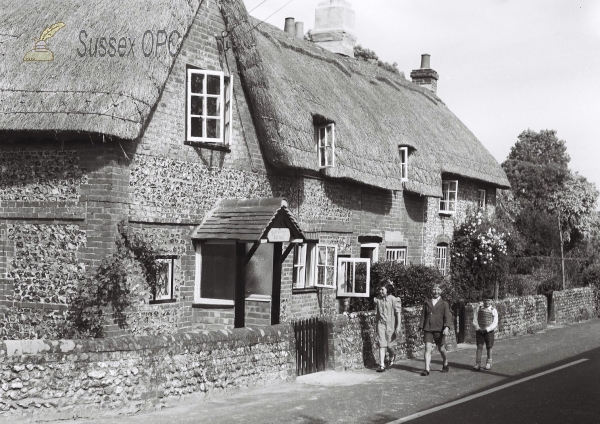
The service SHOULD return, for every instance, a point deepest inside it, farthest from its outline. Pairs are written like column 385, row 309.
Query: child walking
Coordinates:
column 435, row 324
column 389, row 321
column 485, row 320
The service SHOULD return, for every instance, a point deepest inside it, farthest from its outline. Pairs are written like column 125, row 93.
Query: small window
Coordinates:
column 209, row 111
column 215, row 273
column 354, row 277
column 325, row 136
column 370, row 251
column 441, row 252
column 481, row 199
column 404, row 163
column 304, row 270
column 397, row 254
column 449, row 196
column 164, row 280
column 326, row 269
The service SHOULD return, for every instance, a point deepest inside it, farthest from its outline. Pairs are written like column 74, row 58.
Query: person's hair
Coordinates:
column 487, row 294
column 390, row 288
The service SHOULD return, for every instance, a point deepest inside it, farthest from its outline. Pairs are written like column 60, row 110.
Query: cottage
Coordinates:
column 265, row 168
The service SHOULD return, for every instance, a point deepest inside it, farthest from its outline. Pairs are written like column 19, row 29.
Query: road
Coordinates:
column 526, row 383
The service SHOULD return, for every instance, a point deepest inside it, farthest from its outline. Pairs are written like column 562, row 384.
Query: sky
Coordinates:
column 504, row 65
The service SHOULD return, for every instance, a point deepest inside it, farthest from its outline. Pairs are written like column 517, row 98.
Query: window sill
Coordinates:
column 211, row 146
column 158, row 302
column 213, row 303
column 259, row 298
column 304, row 290
column 446, row 213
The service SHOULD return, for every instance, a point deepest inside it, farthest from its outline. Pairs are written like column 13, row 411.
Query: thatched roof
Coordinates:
column 292, row 83
column 108, row 95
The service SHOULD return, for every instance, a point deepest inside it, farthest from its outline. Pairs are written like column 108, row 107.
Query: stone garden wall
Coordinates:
column 62, row 379
column 517, row 316
column 573, row 305
column 352, row 339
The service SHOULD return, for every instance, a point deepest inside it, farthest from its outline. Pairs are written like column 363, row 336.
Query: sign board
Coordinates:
column 278, row 234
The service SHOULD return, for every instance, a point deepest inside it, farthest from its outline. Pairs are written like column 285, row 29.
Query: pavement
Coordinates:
column 365, row 396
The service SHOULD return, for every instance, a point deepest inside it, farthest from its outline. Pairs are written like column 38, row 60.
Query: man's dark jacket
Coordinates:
column 435, row 318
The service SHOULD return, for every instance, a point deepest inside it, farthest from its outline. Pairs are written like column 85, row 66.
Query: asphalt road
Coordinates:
column 567, row 395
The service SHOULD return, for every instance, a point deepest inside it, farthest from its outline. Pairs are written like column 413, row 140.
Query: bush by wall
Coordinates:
column 67, row 378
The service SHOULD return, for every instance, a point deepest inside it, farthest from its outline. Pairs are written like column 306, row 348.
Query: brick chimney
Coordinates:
column 334, row 27
column 425, row 77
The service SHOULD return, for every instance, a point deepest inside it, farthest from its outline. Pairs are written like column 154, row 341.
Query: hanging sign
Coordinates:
column 278, row 234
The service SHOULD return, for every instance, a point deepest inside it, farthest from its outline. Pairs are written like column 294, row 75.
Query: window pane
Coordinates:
column 213, row 106
column 213, row 84
column 453, row 185
column 197, row 80
column 321, row 275
column 196, row 127
column 163, row 279
column 451, row 207
column 329, row 157
column 330, row 256
column 323, row 157
column 217, row 279
column 213, row 128
column 452, row 196
column 322, row 136
column 329, row 281
column 321, row 255
column 196, row 105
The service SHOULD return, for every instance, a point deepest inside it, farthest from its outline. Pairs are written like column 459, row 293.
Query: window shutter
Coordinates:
column 228, row 110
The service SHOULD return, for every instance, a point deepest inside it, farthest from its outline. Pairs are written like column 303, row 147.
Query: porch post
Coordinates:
column 276, row 289
column 240, row 286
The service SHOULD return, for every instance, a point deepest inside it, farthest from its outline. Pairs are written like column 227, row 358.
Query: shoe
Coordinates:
column 477, row 367
column 425, row 373
column 391, row 361
column 446, row 368
column 381, row 369
column 488, row 366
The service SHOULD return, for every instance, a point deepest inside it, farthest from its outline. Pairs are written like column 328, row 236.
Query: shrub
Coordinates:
column 411, row 283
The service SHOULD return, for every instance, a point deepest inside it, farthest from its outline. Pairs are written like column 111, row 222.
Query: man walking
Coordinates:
column 388, row 324
column 435, row 324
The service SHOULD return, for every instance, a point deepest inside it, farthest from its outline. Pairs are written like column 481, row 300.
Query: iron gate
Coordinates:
column 311, row 346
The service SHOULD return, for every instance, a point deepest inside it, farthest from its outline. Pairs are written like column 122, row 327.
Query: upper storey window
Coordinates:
column 449, row 193
column 404, row 163
column 325, row 136
column 209, row 111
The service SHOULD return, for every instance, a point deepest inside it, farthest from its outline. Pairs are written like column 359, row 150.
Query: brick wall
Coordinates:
column 63, row 379
column 573, row 305
column 517, row 316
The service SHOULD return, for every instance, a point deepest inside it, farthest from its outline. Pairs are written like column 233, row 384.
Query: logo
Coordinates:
column 41, row 52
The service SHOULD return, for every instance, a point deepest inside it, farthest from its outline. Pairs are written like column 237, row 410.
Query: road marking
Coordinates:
column 484, row 393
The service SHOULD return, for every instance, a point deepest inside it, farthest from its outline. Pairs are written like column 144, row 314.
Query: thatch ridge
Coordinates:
column 290, row 81
column 112, row 95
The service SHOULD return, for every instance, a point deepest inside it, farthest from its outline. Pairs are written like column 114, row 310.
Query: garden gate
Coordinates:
column 311, row 346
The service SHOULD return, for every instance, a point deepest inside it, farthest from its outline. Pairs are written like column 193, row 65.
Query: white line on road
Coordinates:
column 484, row 393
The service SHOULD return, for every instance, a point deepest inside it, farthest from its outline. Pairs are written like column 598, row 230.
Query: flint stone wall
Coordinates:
column 60, row 379
column 517, row 316
column 573, row 305
column 352, row 339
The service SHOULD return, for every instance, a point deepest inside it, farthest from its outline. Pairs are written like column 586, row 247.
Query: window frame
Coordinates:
column 307, row 255
column 482, row 199
column 171, row 273
column 225, row 98
column 331, row 145
column 326, row 265
column 375, row 247
column 445, row 200
column 404, row 163
column 198, row 277
column 404, row 251
column 340, row 286
column 441, row 259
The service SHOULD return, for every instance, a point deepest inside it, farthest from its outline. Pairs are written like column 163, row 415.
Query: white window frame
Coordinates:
column 441, row 255
column 328, row 267
column 375, row 247
column 481, row 199
column 225, row 113
column 447, row 192
column 198, row 282
column 170, row 260
column 351, row 263
column 404, row 163
column 304, row 265
column 397, row 254
column 324, row 143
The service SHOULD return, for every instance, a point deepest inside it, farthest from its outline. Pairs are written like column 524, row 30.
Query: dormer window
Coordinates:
column 209, row 111
column 449, row 193
column 481, row 200
column 325, row 136
column 404, row 163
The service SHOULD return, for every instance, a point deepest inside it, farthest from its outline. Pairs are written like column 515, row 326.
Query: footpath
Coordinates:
column 365, row 396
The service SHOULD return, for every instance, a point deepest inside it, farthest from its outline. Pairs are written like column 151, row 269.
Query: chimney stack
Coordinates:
column 300, row 30
column 290, row 27
column 334, row 27
column 425, row 77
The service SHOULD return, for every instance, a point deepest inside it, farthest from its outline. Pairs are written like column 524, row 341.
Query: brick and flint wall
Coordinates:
column 67, row 378
column 573, row 305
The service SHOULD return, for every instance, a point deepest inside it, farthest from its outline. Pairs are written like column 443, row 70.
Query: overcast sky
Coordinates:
column 504, row 65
